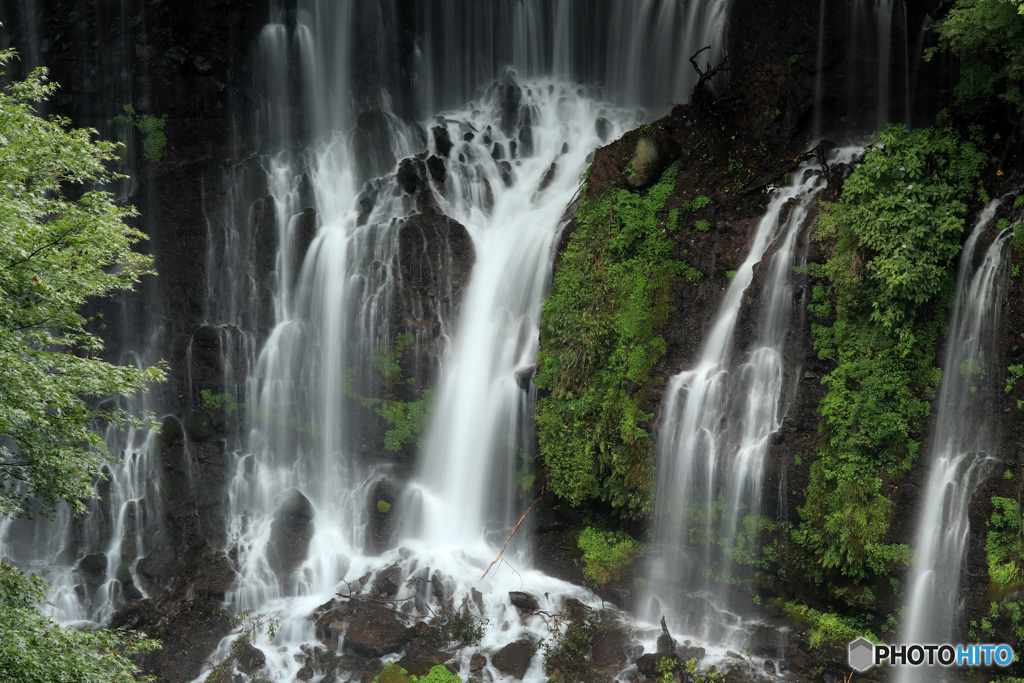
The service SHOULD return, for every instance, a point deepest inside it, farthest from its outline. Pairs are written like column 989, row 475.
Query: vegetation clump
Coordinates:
column 891, row 241
column 607, row 555
column 62, row 242
column 599, row 344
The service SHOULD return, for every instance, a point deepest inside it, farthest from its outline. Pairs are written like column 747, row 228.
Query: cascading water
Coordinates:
column 486, row 399
column 715, row 428
column 302, row 476
column 963, row 446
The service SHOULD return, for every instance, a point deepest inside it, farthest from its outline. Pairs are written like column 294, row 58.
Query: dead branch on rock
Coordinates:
column 705, row 75
column 499, row 557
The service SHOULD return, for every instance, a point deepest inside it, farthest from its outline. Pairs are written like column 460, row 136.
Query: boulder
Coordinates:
column 290, row 532
column 524, row 601
column 388, row 581
column 376, row 633
column 514, row 659
column 646, row 165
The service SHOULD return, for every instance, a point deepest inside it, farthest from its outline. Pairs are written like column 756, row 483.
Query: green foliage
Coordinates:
column 1004, row 545
column 1004, row 548
column 392, row 673
column 406, row 420
column 34, row 649
column 225, row 401
column 454, row 627
column 611, row 294
column 607, row 555
column 696, row 204
column 154, row 140
column 57, row 253
column 986, row 35
column 386, row 358
column 892, row 240
column 1013, row 373
column 827, row 628
column 383, row 507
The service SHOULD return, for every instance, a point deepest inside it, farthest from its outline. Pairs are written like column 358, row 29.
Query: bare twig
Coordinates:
column 499, row 557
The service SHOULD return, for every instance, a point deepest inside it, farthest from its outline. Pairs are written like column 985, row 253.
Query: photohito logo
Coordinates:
column 863, row 654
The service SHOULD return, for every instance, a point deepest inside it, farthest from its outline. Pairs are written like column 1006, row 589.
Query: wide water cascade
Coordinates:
column 503, row 140
column 715, row 427
column 963, row 447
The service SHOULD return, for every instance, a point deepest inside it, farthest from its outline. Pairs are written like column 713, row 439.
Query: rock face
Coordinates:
column 290, row 532
column 514, row 659
column 377, row 632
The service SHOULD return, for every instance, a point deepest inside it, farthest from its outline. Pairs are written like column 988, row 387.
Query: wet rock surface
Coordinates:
column 290, row 532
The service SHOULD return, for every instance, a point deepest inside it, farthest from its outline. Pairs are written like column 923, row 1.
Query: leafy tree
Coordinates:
column 987, row 36
column 61, row 242
column 33, row 649
column 55, row 254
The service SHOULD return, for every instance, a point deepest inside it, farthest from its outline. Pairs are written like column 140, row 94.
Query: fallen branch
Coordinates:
column 499, row 557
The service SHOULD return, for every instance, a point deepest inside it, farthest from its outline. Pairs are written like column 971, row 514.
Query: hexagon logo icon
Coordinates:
column 861, row 654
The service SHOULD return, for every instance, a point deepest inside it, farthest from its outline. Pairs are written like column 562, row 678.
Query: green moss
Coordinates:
column 611, row 294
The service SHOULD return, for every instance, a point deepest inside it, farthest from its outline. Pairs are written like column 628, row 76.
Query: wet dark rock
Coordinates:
column 305, row 232
column 436, row 169
column 611, row 648
column 510, row 98
column 251, row 659
column 305, row 673
column 648, row 663
column 524, row 601
column 577, row 611
column 376, row 633
column 769, row 667
column 198, row 426
column 290, row 532
column 688, row 652
column 388, row 581
column 603, row 128
column 93, row 564
column 307, row 194
column 442, row 140
column 477, row 662
column 505, row 171
column 436, row 256
column 188, row 630
column 498, row 152
column 371, row 143
column 548, row 177
column 524, row 377
column 514, row 658
column 437, row 584
column 526, row 140
column 410, row 175
column 206, row 334
column 383, row 524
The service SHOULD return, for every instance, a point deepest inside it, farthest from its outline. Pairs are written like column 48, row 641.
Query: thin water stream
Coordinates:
column 964, row 446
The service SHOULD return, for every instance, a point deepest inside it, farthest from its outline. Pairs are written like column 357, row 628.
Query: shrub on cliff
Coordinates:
column 62, row 242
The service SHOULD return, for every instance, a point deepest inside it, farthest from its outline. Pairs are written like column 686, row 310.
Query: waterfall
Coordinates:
column 874, row 85
column 715, row 427
column 963, row 447
column 386, row 175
